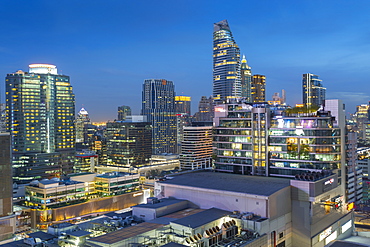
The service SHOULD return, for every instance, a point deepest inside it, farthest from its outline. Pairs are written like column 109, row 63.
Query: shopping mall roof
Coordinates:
column 255, row 185
column 161, row 203
column 202, row 218
column 125, row 233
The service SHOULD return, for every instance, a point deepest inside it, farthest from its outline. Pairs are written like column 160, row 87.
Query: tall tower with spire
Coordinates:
column 81, row 120
column 246, row 79
column 226, row 64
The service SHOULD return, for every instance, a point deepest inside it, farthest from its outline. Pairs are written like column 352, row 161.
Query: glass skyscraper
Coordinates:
column 40, row 114
column 128, row 143
column 226, row 64
column 82, row 119
column 159, row 107
column 313, row 90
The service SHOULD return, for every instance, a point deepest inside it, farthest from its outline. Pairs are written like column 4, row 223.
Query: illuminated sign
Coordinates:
column 324, row 234
column 350, row 206
column 346, row 226
column 220, row 109
column 330, row 181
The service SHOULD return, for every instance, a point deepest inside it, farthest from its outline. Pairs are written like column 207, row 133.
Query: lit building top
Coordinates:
column 43, row 69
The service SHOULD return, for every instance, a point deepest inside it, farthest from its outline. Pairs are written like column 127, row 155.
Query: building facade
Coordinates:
column 183, row 105
column 40, row 114
column 240, row 138
column 123, row 112
column 246, row 79
column 258, row 88
column 158, row 105
column 196, row 152
column 7, row 218
column 128, row 143
column 205, row 110
column 226, row 63
column 313, row 90
column 82, row 119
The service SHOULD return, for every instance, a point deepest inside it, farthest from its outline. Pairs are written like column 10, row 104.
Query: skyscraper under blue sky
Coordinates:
column 313, row 90
column 226, row 63
column 246, row 79
column 159, row 107
column 40, row 114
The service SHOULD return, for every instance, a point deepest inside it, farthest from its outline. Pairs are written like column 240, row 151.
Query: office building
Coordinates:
column 183, row 117
column 128, row 143
column 183, row 105
column 123, row 112
column 299, row 143
column 40, row 115
column 205, row 110
column 258, row 88
column 85, row 161
column 196, row 147
column 361, row 119
column 313, row 90
column 82, row 119
column 226, row 63
column 246, row 80
column 240, row 138
column 7, row 218
column 254, row 139
column 158, row 105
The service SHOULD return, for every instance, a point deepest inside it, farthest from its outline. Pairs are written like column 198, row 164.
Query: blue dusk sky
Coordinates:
column 110, row 47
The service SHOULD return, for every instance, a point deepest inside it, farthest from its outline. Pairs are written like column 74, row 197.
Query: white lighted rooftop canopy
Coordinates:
column 43, row 69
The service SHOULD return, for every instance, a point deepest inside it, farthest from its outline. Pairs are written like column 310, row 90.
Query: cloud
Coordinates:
column 350, row 98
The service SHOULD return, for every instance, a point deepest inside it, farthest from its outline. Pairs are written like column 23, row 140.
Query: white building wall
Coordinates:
column 205, row 198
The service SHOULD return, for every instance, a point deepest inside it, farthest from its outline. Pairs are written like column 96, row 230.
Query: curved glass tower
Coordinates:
column 226, row 64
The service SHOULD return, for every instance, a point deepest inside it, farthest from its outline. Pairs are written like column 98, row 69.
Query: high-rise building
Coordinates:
column 81, row 120
column 159, row 107
column 196, row 148
column 128, row 143
column 2, row 117
column 205, row 112
column 252, row 139
column 313, row 90
column 40, row 114
column 361, row 118
column 7, row 218
column 258, row 88
column 123, row 112
column 183, row 118
column 85, row 161
column 226, row 63
column 298, row 143
column 246, row 80
column 240, row 138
